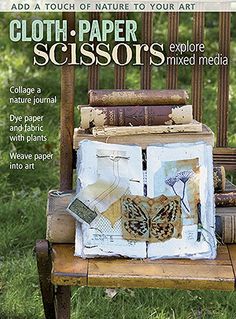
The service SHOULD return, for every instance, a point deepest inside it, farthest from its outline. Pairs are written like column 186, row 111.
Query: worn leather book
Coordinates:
column 111, row 131
column 226, row 218
column 226, row 199
column 226, row 224
column 219, row 179
column 140, row 115
column 144, row 140
column 137, row 97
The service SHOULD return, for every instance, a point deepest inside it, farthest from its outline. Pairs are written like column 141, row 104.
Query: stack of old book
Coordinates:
column 125, row 112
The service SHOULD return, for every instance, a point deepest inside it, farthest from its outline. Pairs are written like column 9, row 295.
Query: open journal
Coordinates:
column 157, row 203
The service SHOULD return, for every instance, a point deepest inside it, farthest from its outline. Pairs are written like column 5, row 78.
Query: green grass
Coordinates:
column 23, row 221
column 152, row 304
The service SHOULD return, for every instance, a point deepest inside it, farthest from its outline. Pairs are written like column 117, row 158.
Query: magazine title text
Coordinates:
column 87, row 44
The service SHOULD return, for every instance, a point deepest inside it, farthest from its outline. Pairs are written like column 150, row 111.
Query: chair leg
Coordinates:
column 44, row 269
column 62, row 302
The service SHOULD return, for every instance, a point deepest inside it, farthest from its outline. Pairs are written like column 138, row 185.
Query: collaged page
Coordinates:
column 106, row 172
column 184, row 170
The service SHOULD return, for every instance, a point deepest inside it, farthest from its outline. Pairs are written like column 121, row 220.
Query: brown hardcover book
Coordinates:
column 227, row 199
column 226, row 218
column 137, row 97
column 140, row 115
column 226, row 224
column 219, row 179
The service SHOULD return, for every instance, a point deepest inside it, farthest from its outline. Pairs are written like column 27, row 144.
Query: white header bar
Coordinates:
column 117, row 5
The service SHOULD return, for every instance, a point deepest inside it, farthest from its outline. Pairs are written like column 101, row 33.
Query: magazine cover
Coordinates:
column 118, row 159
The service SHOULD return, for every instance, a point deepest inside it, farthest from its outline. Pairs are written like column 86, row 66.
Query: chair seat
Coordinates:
column 216, row 274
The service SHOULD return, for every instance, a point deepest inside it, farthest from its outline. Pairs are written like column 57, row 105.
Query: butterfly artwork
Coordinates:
column 152, row 220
